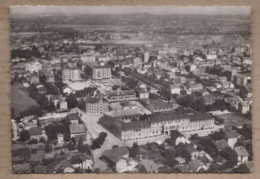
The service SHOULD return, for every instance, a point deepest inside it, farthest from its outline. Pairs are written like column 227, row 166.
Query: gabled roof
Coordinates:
column 114, row 155
column 194, row 165
column 77, row 128
column 35, row 131
column 241, row 151
column 72, row 116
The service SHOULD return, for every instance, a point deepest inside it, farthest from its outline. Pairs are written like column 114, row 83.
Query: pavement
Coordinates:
column 91, row 122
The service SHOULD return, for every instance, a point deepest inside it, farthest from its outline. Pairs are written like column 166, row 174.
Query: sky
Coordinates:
column 162, row 10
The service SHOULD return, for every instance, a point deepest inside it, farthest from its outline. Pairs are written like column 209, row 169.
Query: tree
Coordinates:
column 42, row 140
column 230, row 155
column 134, row 151
column 48, row 148
column 24, row 136
column 72, row 101
column 98, row 142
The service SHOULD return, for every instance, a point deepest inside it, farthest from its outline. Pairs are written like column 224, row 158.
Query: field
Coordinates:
column 21, row 101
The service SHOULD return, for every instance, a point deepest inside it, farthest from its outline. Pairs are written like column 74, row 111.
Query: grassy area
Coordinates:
column 233, row 119
column 21, row 101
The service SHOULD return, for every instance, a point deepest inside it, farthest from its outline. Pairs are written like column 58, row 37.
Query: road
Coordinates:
column 91, row 122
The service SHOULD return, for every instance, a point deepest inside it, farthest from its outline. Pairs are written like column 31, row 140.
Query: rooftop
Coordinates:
column 77, row 128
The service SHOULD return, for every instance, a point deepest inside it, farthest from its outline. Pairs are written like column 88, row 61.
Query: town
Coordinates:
column 131, row 94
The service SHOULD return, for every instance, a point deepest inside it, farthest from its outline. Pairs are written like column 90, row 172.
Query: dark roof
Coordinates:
column 72, row 116
column 190, row 149
column 114, row 155
column 35, row 131
column 230, row 134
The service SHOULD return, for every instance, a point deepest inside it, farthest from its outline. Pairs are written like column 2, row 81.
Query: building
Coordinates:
column 63, row 104
column 88, row 58
column 121, row 95
column 78, row 131
column 98, row 71
column 175, row 89
column 50, row 77
column 34, row 78
column 96, row 105
column 242, row 154
column 60, row 138
column 37, row 133
column 146, row 57
column 244, row 107
column 33, row 67
column 142, row 93
column 158, row 106
column 71, row 74
column 231, row 137
column 240, row 80
column 159, row 124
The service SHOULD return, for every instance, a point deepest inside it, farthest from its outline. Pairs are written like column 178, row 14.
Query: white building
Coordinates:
column 33, row 67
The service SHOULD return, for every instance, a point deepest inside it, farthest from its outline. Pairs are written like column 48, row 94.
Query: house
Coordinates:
column 87, row 162
column 231, row 137
column 192, row 151
column 249, row 165
column 178, row 138
column 142, row 93
column 242, row 154
column 78, row 131
column 34, row 78
column 22, row 168
column 66, row 166
column 195, row 165
column 37, row 133
column 73, row 118
column 244, row 107
column 180, row 160
column 126, row 165
column 149, row 165
column 76, row 162
column 175, row 89
column 112, row 156
column 63, row 105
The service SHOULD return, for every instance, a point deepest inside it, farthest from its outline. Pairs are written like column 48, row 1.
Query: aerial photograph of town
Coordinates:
column 125, row 89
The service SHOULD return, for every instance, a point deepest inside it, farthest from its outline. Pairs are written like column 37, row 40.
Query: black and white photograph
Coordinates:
column 131, row 89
